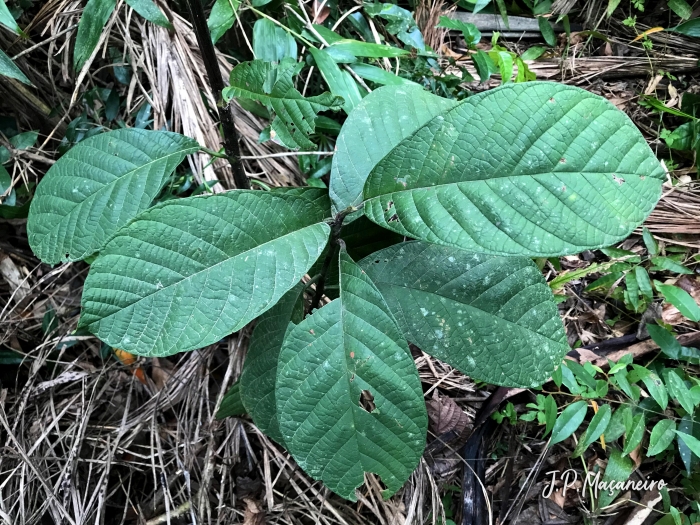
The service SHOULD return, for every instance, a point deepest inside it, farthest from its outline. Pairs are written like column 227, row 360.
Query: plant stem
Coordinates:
column 216, row 81
column 332, row 250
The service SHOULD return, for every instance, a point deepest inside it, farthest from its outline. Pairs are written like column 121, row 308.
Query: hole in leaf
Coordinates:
column 67, row 256
column 367, row 401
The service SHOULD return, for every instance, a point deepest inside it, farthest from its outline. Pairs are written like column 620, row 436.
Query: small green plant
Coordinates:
column 655, row 410
column 479, row 187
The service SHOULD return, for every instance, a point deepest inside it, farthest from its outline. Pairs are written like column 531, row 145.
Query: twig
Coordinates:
column 216, row 81
column 473, row 502
column 332, row 250
column 175, row 513
column 51, row 39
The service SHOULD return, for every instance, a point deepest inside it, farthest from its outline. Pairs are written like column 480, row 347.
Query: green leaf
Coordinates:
column 669, row 264
column 622, row 382
column 348, row 351
column 533, row 53
column 547, row 31
column 380, row 122
column 680, row 392
column 231, row 404
column 583, row 376
column 259, row 375
column 617, row 425
column 666, row 340
column 689, row 28
column 471, row 33
column 634, row 434
column 480, row 4
column 24, row 140
column 537, row 169
column 339, row 82
column 272, row 85
column 595, row 429
column 222, row 18
column 92, row 22
column 8, row 20
column 504, row 60
column 632, row 290
column 188, row 272
column 151, row 12
column 568, row 421
column 99, row 186
column 612, row 5
column 691, row 442
column 649, row 241
column 366, row 49
column 689, row 426
column 661, row 436
column 401, row 23
column 7, row 192
column 330, row 36
column 681, row 8
column 604, row 282
column 682, row 138
column 571, row 275
column 380, row 76
column 550, row 414
column 644, row 283
column 9, row 69
column 680, row 299
column 492, row 318
column 271, row 43
column 619, row 469
column 655, row 386
column 485, row 66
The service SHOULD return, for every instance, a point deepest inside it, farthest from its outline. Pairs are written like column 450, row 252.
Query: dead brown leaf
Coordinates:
column 321, row 11
column 254, row 513
column 446, row 416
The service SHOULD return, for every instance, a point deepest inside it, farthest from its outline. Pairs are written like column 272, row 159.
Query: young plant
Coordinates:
column 479, row 186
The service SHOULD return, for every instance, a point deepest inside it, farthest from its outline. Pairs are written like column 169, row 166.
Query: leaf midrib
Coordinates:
column 507, row 176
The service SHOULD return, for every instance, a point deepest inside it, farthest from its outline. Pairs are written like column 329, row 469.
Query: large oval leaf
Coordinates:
column 377, row 124
column 533, row 169
column 348, row 351
column 259, row 375
column 97, row 187
column 491, row 317
column 188, row 272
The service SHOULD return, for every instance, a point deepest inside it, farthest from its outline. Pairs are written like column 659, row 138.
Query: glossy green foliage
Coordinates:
column 9, row 69
column 97, row 187
column 259, row 375
column 534, row 169
column 349, row 399
column 376, row 126
column 188, row 272
column 491, row 317
column 222, row 17
column 92, row 21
